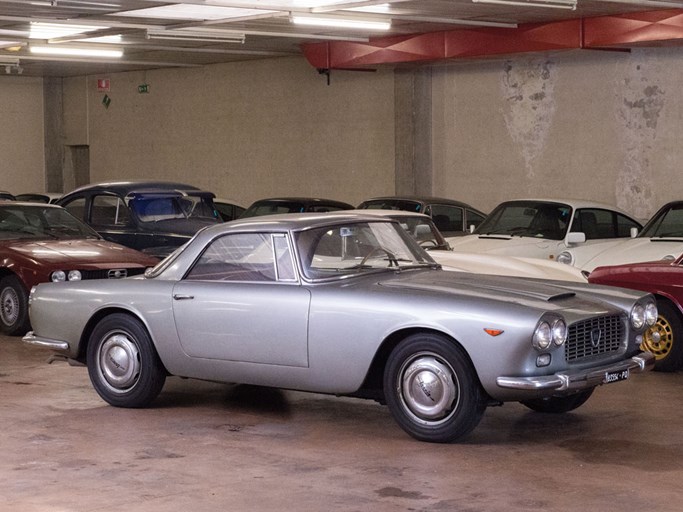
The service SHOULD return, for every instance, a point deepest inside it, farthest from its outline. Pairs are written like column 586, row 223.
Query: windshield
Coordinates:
column 40, row 222
column 158, row 208
column 352, row 249
column 391, row 204
column 668, row 223
column 528, row 218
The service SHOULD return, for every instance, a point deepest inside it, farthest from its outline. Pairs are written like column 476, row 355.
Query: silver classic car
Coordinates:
column 345, row 304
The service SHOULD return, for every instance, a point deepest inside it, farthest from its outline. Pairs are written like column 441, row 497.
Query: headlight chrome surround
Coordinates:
column 651, row 314
column 565, row 257
column 638, row 316
column 559, row 331
column 74, row 275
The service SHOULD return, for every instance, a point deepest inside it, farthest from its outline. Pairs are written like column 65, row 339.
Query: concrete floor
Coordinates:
column 209, row 447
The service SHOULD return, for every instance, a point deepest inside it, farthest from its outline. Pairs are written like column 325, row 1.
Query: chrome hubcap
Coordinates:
column 119, row 361
column 428, row 389
column 10, row 306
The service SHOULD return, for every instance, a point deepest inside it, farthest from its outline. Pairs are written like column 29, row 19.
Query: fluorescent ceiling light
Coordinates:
column 76, row 52
column 212, row 36
column 41, row 30
column 336, row 22
column 553, row 4
column 191, row 12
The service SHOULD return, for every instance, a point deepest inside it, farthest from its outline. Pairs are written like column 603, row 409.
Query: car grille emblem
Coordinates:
column 596, row 336
column 117, row 273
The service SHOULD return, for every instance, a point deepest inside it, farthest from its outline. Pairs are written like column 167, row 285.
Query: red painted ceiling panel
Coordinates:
column 655, row 28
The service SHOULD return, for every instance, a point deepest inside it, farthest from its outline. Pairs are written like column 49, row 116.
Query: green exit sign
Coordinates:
column 144, row 88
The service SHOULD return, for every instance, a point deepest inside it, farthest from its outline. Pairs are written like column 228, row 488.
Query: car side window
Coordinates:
column 77, row 208
column 596, row 223
column 109, row 210
column 447, row 218
column 473, row 219
column 624, row 225
column 245, row 257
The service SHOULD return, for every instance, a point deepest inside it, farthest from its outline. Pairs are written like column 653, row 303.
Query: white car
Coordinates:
column 660, row 239
column 543, row 228
column 422, row 228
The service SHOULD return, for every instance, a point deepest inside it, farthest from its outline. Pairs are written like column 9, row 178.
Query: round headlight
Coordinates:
column 565, row 257
column 559, row 332
column 58, row 276
column 74, row 275
column 542, row 336
column 638, row 316
column 651, row 314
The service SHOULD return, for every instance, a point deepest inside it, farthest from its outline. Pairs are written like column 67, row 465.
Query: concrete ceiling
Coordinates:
column 262, row 28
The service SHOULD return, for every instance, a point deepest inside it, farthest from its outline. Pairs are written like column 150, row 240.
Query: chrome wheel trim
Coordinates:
column 118, row 361
column 659, row 338
column 9, row 300
column 428, row 388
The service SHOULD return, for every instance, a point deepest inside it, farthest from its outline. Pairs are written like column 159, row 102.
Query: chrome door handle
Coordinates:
column 183, row 297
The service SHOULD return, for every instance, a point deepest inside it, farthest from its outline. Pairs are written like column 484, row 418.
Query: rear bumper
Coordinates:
column 589, row 378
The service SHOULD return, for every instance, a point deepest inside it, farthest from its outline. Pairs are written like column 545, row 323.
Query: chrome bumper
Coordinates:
column 45, row 342
column 589, row 378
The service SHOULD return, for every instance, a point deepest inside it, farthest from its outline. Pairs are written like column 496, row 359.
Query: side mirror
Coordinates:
column 576, row 238
column 634, row 232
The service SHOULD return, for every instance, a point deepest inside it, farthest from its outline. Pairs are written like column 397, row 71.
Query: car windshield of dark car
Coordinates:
column 352, row 249
column 273, row 208
column 668, row 224
column 530, row 218
column 39, row 222
column 391, row 204
column 155, row 209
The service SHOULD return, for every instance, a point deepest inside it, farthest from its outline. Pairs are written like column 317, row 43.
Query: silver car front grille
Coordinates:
column 593, row 337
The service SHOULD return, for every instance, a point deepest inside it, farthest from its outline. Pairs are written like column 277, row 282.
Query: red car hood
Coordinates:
column 86, row 253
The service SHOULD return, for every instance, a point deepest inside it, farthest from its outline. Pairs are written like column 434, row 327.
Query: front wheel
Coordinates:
column 559, row 404
column 432, row 390
column 13, row 306
column 123, row 364
column 664, row 338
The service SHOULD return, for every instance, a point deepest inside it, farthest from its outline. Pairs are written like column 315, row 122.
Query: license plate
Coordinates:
column 616, row 376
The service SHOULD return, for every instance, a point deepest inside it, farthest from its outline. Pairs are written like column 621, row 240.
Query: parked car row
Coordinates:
column 373, row 302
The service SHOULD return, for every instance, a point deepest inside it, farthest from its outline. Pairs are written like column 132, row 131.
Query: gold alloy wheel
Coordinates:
column 659, row 338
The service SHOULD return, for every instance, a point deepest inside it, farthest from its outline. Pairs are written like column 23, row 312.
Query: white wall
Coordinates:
column 247, row 130
column 603, row 126
column 21, row 134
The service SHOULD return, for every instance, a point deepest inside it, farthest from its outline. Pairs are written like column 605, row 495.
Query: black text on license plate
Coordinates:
column 616, row 376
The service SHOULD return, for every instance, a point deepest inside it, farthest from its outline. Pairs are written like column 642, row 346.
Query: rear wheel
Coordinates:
column 432, row 390
column 123, row 364
column 559, row 404
column 13, row 306
column 664, row 338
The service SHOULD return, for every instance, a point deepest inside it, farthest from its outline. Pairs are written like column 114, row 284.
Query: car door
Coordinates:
column 242, row 301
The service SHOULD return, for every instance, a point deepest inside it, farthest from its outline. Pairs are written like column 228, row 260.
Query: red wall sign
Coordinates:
column 102, row 85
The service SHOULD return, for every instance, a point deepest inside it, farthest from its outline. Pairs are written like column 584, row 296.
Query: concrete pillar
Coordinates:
column 53, row 129
column 413, row 131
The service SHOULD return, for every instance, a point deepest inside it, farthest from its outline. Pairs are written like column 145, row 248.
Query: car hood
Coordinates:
column 90, row 253
column 534, row 268
column 633, row 250
column 503, row 244
column 531, row 293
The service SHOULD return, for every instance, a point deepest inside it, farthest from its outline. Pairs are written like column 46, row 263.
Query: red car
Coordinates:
column 40, row 243
column 664, row 279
